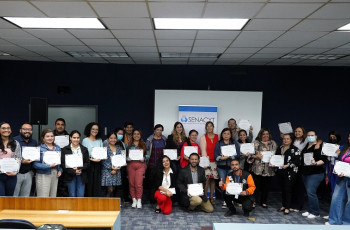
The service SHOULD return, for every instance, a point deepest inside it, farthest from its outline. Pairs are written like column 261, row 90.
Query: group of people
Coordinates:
column 166, row 180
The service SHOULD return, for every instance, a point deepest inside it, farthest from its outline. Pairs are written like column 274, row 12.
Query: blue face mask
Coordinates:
column 119, row 137
column 311, row 138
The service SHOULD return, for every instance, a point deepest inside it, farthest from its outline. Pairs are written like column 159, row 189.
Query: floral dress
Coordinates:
column 107, row 179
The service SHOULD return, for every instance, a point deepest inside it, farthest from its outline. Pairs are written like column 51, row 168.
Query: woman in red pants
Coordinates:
column 163, row 184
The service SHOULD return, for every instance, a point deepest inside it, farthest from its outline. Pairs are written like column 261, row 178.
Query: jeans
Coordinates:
column 222, row 175
column 24, row 184
column 311, row 184
column 7, row 184
column 339, row 212
column 75, row 187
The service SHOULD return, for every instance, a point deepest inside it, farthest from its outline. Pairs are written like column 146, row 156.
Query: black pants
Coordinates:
column 287, row 182
column 262, row 188
column 184, row 200
column 125, row 184
column 246, row 201
column 298, row 196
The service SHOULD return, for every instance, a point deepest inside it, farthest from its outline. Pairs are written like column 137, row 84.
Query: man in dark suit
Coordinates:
column 193, row 174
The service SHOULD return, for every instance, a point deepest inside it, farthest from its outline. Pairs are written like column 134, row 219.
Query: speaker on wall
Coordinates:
column 38, row 111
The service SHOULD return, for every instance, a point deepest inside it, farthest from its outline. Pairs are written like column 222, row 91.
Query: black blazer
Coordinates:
column 170, row 143
column 69, row 173
column 185, row 177
column 158, row 180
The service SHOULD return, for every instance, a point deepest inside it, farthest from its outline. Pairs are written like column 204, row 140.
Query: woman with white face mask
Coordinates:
column 313, row 173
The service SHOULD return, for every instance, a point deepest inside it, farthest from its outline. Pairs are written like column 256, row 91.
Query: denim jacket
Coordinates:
column 42, row 168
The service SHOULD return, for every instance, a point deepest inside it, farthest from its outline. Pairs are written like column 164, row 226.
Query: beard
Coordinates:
column 26, row 136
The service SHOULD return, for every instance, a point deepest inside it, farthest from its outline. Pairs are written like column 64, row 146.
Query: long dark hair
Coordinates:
column 11, row 143
column 304, row 133
column 346, row 147
column 160, row 167
column 222, row 132
column 88, row 127
column 142, row 144
column 189, row 134
column 261, row 132
column 239, row 133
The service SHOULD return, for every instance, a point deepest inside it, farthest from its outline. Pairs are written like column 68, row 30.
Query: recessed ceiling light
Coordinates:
column 190, row 55
column 199, row 23
column 346, row 27
column 99, row 54
column 4, row 54
column 314, row 56
column 56, row 23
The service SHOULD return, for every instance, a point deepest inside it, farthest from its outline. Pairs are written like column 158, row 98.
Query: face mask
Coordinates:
column 333, row 141
column 311, row 138
column 119, row 137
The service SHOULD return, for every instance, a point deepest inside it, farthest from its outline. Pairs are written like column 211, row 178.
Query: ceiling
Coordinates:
column 276, row 28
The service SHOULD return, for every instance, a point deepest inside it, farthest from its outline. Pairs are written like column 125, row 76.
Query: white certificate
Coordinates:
column 171, row 153
column 342, row 168
column 195, row 189
column 188, row 150
column 31, row 153
column 285, row 127
column 266, row 156
column 74, row 160
column 136, row 154
column 62, row 141
column 277, row 160
column 9, row 165
column 172, row 190
column 307, row 158
column 99, row 153
column 228, row 150
column 244, row 124
column 233, row 188
column 329, row 149
column 247, row 148
column 118, row 160
column 204, row 162
column 52, row 157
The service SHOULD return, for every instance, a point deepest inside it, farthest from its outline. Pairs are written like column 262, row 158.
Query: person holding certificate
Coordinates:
column 175, row 141
column 93, row 139
column 207, row 144
column 111, row 176
column 312, row 173
column 191, row 141
column 25, row 174
column 262, row 172
column 339, row 213
column 9, row 148
column 47, row 174
column 223, row 161
column 239, row 186
column 243, row 139
column 334, row 138
column 164, row 186
column 232, row 125
column 191, row 181
column 136, row 167
column 289, row 171
column 75, row 176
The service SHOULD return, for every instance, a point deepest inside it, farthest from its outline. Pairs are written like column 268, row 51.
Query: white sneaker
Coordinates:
column 312, row 216
column 139, row 205
column 325, row 217
column 134, row 202
column 305, row 214
column 224, row 205
column 327, row 223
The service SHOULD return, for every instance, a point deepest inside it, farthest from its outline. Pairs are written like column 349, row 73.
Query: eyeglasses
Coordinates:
column 6, row 128
column 27, row 129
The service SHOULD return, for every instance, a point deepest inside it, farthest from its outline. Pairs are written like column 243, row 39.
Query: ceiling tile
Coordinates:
column 14, row 33
column 74, row 48
column 235, row 56
column 284, row 61
column 128, row 23
column 175, row 34
column 232, row 10
column 91, row 33
column 262, row 61
column 18, row 9
column 49, row 33
column 175, row 49
column 275, row 50
column 29, row 41
column 339, row 51
column 311, row 62
column 46, row 48
column 270, row 24
column 143, row 55
column 287, row 10
column 217, row 34
column 208, row 49
column 146, row 34
column 141, row 49
column 120, row 9
column 213, row 43
column 65, row 9
column 12, row 58
column 242, row 50
column 35, row 58
column 259, row 35
column 287, row 43
column 137, row 42
column 179, row 42
column 301, row 35
column 333, row 10
column 64, row 59
column 266, row 55
column 326, row 43
column 306, row 50
column 107, row 48
column 6, row 25
column 320, row 25
column 174, row 9
column 249, row 43
column 100, row 42
column 63, row 41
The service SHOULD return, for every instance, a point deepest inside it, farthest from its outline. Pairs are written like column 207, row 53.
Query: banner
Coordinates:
column 195, row 117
